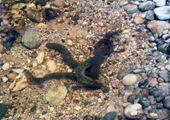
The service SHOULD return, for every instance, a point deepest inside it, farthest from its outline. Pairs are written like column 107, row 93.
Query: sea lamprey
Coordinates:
column 86, row 73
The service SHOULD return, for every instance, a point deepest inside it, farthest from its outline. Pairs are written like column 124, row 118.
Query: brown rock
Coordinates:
column 12, row 76
column 139, row 20
column 153, row 82
column 1, row 48
column 160, row 79
column 158, row 26
column 72, row 37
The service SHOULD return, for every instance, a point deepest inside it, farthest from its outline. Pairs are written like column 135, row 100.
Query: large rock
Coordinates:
column 145, row 6
column 134, row 111
column 160, row 2
column 163, row 13
column 158, row 27
column 30, row 38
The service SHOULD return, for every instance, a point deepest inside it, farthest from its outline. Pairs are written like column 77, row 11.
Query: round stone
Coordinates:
column 5, row 66
column 129, row 79
column 134, row 111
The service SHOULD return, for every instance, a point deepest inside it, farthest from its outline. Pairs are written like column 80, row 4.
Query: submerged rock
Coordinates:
column 158, row 26
column 3, row 110
column 163, row 13
column 30, row 38
column 130, row 9
column 145, row 6
column 134, row 111
column 55, row 95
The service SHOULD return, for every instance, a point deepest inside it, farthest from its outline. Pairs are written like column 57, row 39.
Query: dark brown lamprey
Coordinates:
column 87, row 73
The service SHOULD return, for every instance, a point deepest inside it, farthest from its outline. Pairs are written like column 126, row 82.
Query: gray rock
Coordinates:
column 33, row 15
column 30, row 38
column 164, row 74
column 130, row 9
column 150, row 15
column 145, row 6
column 144, row 102
column 166, row 102
column 3, row 110
column 164, row 87
column 162, row 113
column 122, row 73
column 110, row 116
column 163, row 13
column 58, row 3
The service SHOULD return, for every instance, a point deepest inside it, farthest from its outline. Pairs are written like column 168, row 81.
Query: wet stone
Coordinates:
column 130, row 9
column 110, row 116
column 164, row 74
column 162, row 12
column 155, row 92
column 33, row 15
column 30, row 38
column 122, row 73
column 3, row 110
column 166, row 102
column 162, row 113
column 150, row 15
column 145, row 6
column 144, row 102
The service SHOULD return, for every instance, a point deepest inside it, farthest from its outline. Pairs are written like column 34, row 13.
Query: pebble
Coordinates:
column 4, row 79
column 162, row 12
column 40, row 57
column 153, row 82
column 139, row 20
column 162, row 113
column 110, row 116
column 110, row 108
column 153, row 115
column 164, row 74
column 5, row 66
column 72, row 37
column 130, row 9
column 150, row 15
column 145, row 6
column 167, row 67
column 17, row 70
column 134, row 111
column 55, row 95
column 51, row 66
column 77, row 108
column 30, row 38
column 129, row 79
column 58, row 3
column 12, row 76
column 19, row 83
column 69, row 42
column 1, row 48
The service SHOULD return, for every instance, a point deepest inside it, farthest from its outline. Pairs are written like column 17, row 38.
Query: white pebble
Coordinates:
column 4, row 79
column 69, row 42
column 51, row 66
column 129, row 79
column 5, row 66
column 134, row 111
column 77, row 107
column 40, row 58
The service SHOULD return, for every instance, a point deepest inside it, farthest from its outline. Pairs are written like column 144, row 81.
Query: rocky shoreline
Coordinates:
column 138, row 77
